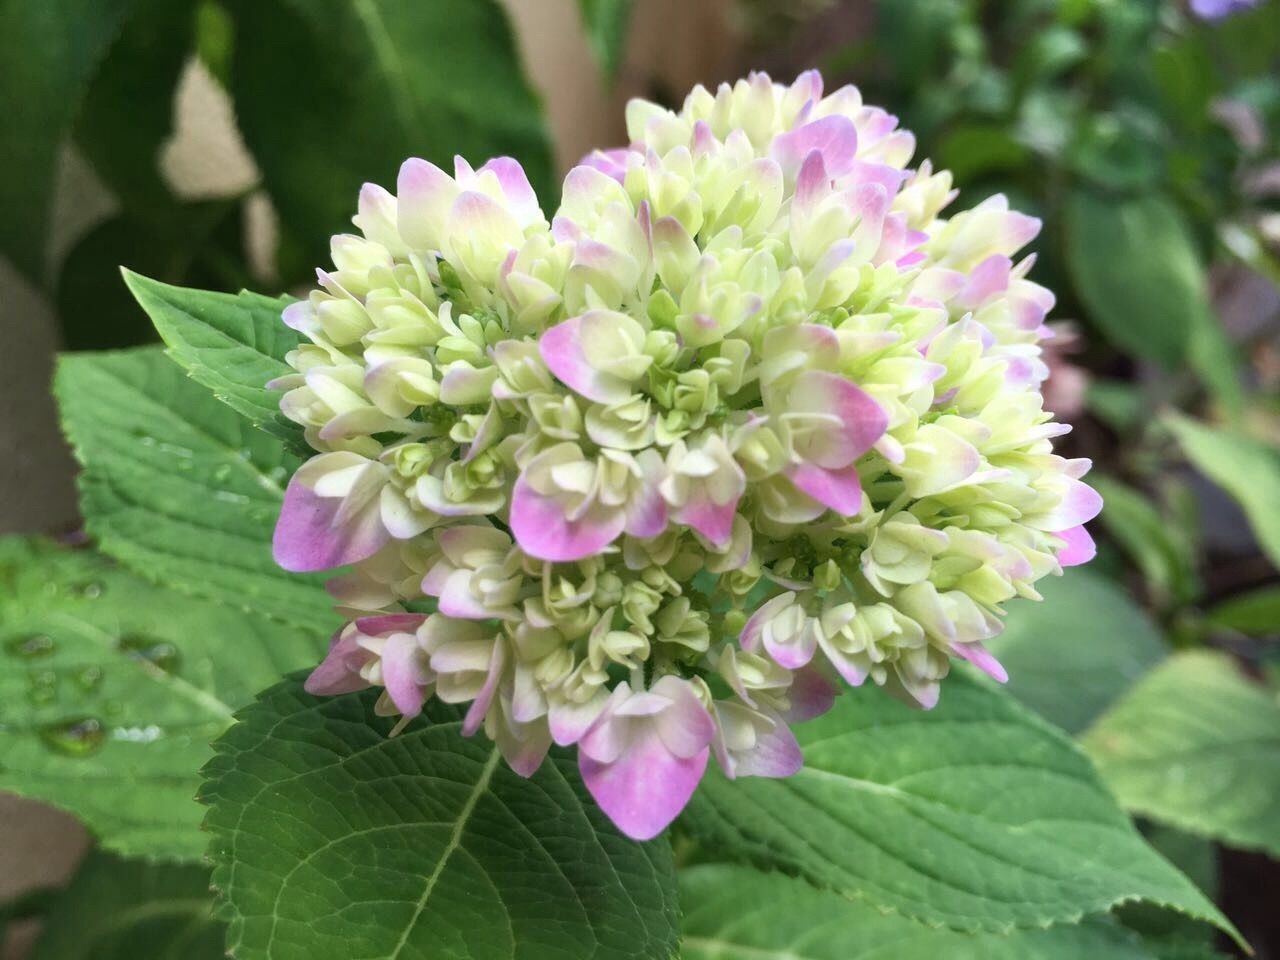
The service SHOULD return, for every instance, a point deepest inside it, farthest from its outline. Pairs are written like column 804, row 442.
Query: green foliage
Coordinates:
column 974, row 815
column 1165, row 552
column 118, row 909
column 1247, row 469
column 112, row 689
column 606, row 25
column 733, row 912
column 1256, row 612
column 332, row 838
column 178, row 487
column 48, row 52
column 232, row 344
column 1135, row 268
column 1196, row 745
column 1067, row 669
column 332, row 93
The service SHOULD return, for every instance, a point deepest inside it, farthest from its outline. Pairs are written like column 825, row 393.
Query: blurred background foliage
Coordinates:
column 1144, row 135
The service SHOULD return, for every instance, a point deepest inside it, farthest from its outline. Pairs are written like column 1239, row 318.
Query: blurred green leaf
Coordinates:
column 1197, row 746
column 1068, row 671
column 736, row 913
column 117, row 909
column 1184, row 75
column 180, row 487
column 974, row 150
column 1163, row 551
column 606, row 23
column 231, row 343
column 1113, row 150
column 113, row 688
column 1136, row 270
column 1246, row 468
column 1256, row 613
column 1051, row 51
column 1117, row 403
column 332, row 838
column 48, row 53
column 332, row 93
column 975, row 815
column 128, row 110
column 214, row 36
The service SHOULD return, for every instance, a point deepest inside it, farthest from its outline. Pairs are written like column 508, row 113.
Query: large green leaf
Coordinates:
column 976, row 815
column 331, row 838
column 231, row 343
column 180, row 487
column 606, row 23
column 331, row 93
column 112, row 689
column 1247, row 469
column 48, row 53
column 1069, row 669
column 1136, row 270
column 1196, row 745
column 736, row 913
column 119, row 909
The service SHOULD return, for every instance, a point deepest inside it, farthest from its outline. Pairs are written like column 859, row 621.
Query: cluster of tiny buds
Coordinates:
column 745, row 422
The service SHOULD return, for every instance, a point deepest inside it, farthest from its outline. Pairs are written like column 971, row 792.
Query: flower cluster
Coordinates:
column 746, row 417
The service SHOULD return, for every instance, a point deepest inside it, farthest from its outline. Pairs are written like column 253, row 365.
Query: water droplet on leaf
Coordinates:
column 159, row 653
column 31, row 645
column 75, row 737
column 90, row 678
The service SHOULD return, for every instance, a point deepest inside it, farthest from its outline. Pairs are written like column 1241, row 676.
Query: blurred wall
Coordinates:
column 672, row 45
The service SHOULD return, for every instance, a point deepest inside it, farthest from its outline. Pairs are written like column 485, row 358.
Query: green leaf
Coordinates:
column 606, row 25
column 975, row 150
column 1164, row 551
column 1136, row 270
column 976, row 815
column 128, row 110
column 48, row 53
column 735, row 913
column 1247, row 469
column 119, row 909
column 1197, row 746
column 178, row 487
column 112, row 689
column 1256, row 613
column 332, row 93
column 231, row 343
column 1067, row 670
column 332, row 838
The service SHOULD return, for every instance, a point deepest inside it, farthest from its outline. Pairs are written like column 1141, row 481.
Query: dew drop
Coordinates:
column 74, row 737
column 30, row 646
column 42, row 687
column 222, row 473
column 90, row 678
column 159, row 653
column 86, row 589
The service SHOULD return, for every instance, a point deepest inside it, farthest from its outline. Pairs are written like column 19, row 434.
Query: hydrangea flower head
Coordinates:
column 745, row 420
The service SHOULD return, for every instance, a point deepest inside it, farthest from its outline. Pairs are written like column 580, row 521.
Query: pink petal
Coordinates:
column 339, row 671
column 561, row 349
column 457, row 600
column 713, row 520
column 424, row 194
column 570, row 721
column 390, row 623
column 838, row 490
column 776, row 754
column 515, row 187
column 543, row 531
column 811, row 694
column 835, row 138
column 685, row 726
column 1080, row 547
column 402, row 673
column 1080, row 503
column 988, row 277
column 480, row 705
column 862, row 420
column 646, row 788
column 982, row 658
column 307, row 537
column 791, row 655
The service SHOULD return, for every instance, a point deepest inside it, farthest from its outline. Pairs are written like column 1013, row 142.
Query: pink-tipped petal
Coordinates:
column 390, row 623
column 776, row 754
column 307, row 536
column 402, row 673
column 838, row 490
column 713, row 520
column 834, row 137
column 542, row 530
column 645, row 788
column 561, row 349
column 339, row 671
column 1080, row 504
column 862, row 420
column 457, row 600
column 1080, row 547
column 982, row 658
column 480, row 705
column 811, row 694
